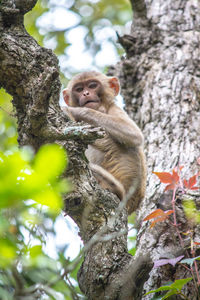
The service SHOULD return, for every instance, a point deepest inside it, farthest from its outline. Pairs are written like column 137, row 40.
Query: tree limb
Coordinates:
column 30, row 74
column 139, row 8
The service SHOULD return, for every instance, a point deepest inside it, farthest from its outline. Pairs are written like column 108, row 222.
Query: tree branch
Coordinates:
column 30, row 74
column 139, row 8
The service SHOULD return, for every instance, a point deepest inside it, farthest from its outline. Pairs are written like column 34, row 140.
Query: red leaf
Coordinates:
column 164, row 177
column 156, row 213
column 170, row 187
column 175, row 176
column 193, row 180
column 189, row 184
column 197, row 243
column 159, row 219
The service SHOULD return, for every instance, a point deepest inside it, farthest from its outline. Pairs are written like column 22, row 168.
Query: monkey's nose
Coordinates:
column 86, row 93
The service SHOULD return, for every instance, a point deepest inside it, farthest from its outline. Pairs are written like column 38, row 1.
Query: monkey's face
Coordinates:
column 92, row 90
column 87, row 94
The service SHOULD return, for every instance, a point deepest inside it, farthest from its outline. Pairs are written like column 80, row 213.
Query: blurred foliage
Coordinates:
column 82, row 33
column 31, row 19
column 191, row 211
column 8, row 132
column 31, row 200
column 132, row 233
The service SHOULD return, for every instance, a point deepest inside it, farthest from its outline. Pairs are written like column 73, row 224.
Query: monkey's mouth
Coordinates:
column 90, row 103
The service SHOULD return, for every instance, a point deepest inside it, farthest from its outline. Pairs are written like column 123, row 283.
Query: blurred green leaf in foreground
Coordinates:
column 30, row 201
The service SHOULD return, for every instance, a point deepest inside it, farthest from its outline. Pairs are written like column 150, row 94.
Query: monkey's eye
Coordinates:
column 92, row 84
column 79, row 89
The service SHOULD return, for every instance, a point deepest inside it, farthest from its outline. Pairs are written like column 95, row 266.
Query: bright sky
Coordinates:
column 66, row 234
column 79, row 58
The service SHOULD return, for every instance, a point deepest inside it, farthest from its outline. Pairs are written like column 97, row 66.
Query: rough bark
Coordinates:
column 30, row 74
column 160, row 84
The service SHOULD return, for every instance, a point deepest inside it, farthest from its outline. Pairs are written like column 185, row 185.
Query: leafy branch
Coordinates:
column 175, row 183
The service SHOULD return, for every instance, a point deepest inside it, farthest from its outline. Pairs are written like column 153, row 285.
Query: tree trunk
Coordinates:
column 160, row 81
column 160, row 85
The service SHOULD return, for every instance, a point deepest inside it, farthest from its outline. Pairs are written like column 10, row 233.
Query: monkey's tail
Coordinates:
column 107, row 180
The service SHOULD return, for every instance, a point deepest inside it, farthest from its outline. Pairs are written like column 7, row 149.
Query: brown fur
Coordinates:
column 117, row 160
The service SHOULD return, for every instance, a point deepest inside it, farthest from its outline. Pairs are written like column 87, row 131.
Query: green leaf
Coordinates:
column 51, row 199
column 162, row 288
column 7, row 252
column 33, row 183
column 170, row 293
column 35, row 251
column 31, row 19
column 132, row 251
column 4, row 225
column 191, row 211
column 131, row 219
column 50, row 161
column 75, row 269
column 178, row 284
column 10, row 178
column 189, row 261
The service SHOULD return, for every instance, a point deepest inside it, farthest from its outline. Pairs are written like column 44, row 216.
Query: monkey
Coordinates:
column 116, row 160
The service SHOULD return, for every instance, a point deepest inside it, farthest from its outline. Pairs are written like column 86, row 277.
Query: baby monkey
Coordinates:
column 117, row 160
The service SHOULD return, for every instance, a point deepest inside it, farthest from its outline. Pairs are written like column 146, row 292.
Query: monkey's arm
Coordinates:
column 116, row 123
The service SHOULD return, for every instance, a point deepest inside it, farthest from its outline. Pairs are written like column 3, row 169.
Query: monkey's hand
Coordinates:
column 68, row 111
column 75, row 113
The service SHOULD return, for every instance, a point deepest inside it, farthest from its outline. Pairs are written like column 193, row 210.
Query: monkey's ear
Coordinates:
column 66, row 95
column 114, row 84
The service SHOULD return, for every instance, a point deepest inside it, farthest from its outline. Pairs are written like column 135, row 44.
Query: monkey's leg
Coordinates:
column 107, row 180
